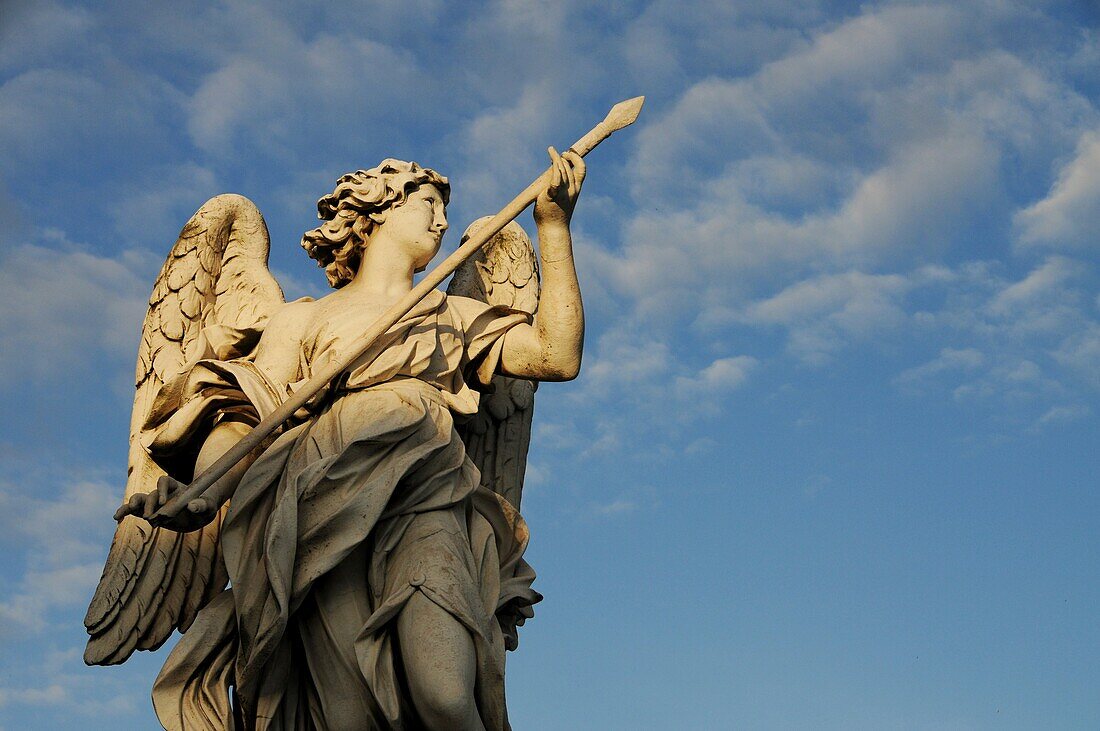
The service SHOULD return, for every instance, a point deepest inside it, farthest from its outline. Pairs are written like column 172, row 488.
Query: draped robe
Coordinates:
column 366, row 498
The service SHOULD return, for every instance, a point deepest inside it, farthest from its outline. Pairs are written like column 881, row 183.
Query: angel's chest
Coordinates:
column 422, row 347
column 338, row 332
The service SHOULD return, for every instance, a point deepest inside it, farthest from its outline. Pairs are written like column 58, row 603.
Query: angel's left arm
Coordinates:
column 277, row 357
column 550, row 349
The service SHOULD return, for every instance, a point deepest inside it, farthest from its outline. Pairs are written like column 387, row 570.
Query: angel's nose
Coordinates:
column 440, row 223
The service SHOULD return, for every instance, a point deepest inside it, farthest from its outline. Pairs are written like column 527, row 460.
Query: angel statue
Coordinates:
column 362, row 568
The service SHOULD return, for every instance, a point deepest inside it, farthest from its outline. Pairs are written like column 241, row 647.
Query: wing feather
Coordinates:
column 156, row 580
column 505, row 272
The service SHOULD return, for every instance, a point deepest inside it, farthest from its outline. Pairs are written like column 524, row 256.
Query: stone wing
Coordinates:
column 156, row 580
column 504, row 272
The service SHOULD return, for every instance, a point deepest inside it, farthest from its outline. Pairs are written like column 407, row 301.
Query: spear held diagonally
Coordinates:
column 621, row 115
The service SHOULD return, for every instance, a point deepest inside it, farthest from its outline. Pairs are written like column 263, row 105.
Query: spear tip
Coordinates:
column 624, row 113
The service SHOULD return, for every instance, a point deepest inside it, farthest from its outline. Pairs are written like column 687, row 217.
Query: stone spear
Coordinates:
column 621, row 115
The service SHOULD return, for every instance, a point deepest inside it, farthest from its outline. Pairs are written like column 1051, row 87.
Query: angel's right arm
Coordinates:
column 550, row 349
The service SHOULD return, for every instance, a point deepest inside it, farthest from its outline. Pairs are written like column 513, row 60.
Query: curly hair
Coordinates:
column 337, row 243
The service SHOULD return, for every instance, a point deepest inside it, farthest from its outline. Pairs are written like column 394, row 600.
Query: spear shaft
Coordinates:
column 621, row 115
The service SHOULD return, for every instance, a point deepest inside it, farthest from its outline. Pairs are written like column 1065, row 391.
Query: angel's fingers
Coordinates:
column 199, row 506
column 151, row 505
column 577, row 163
column 162, row 488
column 570, row 176
column 555, row 176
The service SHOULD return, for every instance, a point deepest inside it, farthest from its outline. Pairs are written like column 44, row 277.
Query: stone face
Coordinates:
column 349, row 551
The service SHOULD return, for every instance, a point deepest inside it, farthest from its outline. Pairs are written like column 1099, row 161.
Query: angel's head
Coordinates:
column 366, row 200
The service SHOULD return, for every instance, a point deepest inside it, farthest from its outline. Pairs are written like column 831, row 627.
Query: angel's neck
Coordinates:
column 382, row 274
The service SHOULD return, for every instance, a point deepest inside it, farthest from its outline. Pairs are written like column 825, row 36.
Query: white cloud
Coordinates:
column 887, row 142
column 1038, row 286
column 818, row 195
column 57, row 530
column 719, row 247
column 869, row 296
column 1010, row 381
column 950, row 360
column 60, row 305
column 66, row 538
column 1063, row 414
column 32, row 32
column 629, row 365
column 897, row 156
column 637, row 385
column 638, row 497
column 912, row 201
column 496, row 139
column 64, row 684
column 291, row 89
column 803, row 100
column 1080, row 353
column 149, row 212
column 80, row 694
column 1069, row 216
column 615, row 507
column 871, row 49
column 863, row 147
column 625, row 361
column 1040, row 307
column 51, row 116
column 295, row 287
column 669, row 40
column 49, row 696
column 724, row 374
column 825, row 313
column 1016, row 340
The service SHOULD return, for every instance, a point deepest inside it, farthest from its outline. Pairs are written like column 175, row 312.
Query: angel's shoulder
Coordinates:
column 291, row 320
column 466, row 309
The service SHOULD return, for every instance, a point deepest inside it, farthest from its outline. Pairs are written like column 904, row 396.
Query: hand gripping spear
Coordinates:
column 621, row 115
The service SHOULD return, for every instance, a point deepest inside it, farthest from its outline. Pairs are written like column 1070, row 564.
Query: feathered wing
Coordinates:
column 156, row 580
column 504, row 272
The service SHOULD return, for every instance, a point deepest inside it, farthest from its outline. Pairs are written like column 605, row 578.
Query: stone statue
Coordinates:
column 349, row 553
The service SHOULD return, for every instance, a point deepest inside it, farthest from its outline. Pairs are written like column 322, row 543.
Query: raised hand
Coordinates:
column 556, row 203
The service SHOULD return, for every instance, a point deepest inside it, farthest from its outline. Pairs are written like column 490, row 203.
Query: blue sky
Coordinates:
column 831, row 462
